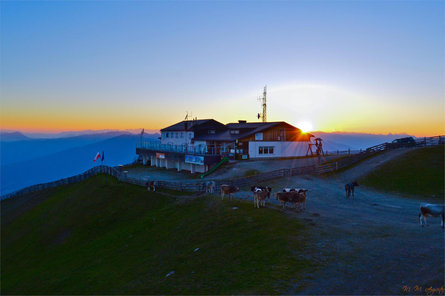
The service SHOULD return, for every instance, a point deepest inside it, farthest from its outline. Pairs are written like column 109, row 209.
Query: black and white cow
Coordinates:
column 431, row 210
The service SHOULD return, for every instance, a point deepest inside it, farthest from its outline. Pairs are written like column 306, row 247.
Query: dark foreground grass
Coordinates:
column 419, row 172
column 105, row 237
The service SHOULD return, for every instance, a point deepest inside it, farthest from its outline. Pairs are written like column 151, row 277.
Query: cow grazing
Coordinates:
column 349, row 188
column 151, row 185
column 228, row 189
column 210, row 186
column 431, row 210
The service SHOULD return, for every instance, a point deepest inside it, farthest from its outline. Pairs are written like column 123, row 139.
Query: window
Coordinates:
column 234, row 132
column 212, row 132
column 258, row 136
column 190, row 135
column 182, row 135
column 166, row 135
column 265, row 150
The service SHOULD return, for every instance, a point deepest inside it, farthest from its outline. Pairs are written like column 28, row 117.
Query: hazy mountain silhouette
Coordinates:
column 19, row 151
column 118, row 150
column 354, row 141
column 12, row 136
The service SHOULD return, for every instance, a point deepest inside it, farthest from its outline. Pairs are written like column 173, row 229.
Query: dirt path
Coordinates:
column 371, row 244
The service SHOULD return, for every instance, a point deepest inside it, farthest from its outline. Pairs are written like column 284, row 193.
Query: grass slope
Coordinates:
column 419, row 172
column 105, row 237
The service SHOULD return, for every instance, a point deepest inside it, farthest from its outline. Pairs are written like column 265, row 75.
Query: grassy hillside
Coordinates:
column 418, row 172
column 104, row 237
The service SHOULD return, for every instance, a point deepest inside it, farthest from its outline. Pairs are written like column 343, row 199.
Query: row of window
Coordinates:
column 177, row 135
column 265, row 150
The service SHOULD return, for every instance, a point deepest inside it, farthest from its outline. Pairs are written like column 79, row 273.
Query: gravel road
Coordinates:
column 371, row 244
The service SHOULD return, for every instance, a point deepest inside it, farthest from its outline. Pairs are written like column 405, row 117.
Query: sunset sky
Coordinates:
column 354, row 66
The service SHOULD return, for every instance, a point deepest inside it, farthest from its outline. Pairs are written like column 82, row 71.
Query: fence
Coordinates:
column 200, row 186
column 102, row 169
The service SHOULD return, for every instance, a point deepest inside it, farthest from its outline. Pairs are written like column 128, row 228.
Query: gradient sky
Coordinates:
column 356, row 66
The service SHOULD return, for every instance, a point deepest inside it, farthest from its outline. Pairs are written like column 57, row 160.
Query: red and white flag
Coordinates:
column 97, row 156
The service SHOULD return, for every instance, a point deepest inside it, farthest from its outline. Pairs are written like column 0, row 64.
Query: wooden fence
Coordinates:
column 200, row 186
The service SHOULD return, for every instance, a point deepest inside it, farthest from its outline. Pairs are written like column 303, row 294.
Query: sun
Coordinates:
column 305, row 126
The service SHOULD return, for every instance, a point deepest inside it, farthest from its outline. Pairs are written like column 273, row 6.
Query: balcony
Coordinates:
column 186, row 149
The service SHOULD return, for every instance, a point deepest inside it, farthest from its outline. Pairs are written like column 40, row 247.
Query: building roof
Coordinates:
column 245, row 129
column 249, row 128
column 252, row 125
column 185, row 125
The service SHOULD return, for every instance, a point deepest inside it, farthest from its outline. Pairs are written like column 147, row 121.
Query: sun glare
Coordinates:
column 305, row 126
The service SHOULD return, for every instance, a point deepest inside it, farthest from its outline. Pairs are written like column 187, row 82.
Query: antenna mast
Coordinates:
column 264, row 104
column 264, row 114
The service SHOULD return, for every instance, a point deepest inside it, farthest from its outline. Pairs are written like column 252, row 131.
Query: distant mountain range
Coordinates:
column 355, row 141
column 12, row 136
column 32, row 161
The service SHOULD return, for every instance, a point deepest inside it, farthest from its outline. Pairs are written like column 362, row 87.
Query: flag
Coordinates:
column 103, row 156
column 97, row 156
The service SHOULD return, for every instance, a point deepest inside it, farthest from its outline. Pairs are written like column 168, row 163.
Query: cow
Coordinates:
column 285, row 197
column 151, row 185
column 259, row 198
column 434, row 210
column 260, row 193
column 261, row 188
column 349, row 188
column 294, row 197
column 228, row 189
column 299, row 199
column 210, row 186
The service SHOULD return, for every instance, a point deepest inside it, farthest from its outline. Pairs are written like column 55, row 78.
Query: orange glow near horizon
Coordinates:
column 310, row 107
column 47, row 126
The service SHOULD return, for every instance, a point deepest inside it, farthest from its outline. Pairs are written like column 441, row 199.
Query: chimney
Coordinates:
column 242, row 121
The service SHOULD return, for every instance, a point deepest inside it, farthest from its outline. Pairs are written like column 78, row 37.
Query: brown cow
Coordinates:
column 228, row 189
column 300, row 199
column 259, row 198
column 431, row 210
column 295, row 197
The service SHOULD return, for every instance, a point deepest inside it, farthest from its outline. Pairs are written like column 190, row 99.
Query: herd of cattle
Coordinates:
column 297, row 197
column 294, row 196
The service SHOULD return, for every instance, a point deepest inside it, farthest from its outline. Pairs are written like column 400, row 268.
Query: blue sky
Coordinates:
column 341, row 65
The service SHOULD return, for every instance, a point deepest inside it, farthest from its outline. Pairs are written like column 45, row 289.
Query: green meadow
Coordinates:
column 419, row 172
column 105, row 237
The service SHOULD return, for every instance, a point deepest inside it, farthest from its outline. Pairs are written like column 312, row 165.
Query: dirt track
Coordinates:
column 371, row 244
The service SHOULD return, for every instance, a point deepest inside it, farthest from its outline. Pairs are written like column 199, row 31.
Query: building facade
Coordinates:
column 197, row 145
